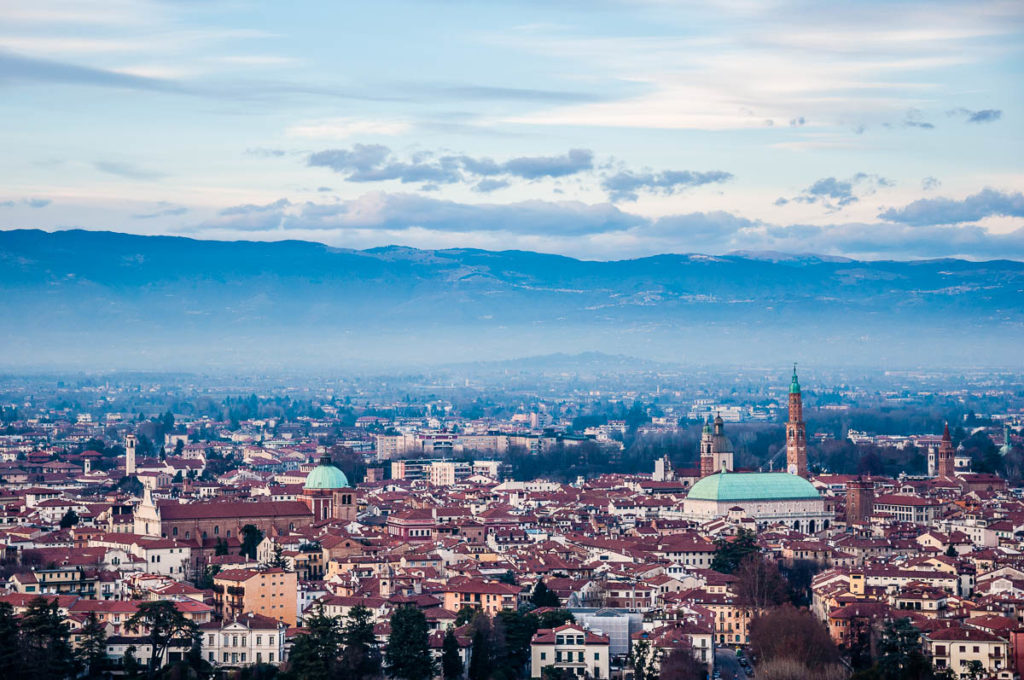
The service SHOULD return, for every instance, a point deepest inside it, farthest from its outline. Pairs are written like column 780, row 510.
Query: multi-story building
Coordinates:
column 571, row 649
column 248, row 639
column 957, row 648
column 489, row 596
column 268, row 592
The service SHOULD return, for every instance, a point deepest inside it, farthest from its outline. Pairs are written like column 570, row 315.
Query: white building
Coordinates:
column 765, row 497
column 572, row 648
column 250, row 639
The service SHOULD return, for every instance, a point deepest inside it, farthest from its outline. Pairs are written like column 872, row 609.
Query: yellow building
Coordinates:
column 268, row 592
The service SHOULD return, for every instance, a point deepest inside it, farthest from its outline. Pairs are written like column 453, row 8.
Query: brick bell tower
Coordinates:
column 796, row 432
column 947, row 464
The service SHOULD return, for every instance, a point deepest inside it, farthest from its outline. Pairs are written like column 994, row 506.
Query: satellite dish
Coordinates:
column 791, row 469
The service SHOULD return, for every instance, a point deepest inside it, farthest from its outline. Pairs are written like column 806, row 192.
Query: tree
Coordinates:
column 544, row 597
column 791, row 633
column 278, row 559
column 975, row 669
column 760, row 584
column 681, row 665
column 69, row 519
column 555, row 618
column 360, row 658
column 205, row 580
column 556, row 673
column 408, row 653
column 315, row 655
column 465, row 615
column 131, row 664
column 793, row 669
column 899, row 652
column 221, row 547
column 45, row 648
column 9, row 657
column 251, row 539
column 480, row 658
column 729, row 554
column 518, row 630
column 451, row 659
column 641, row 659
column 92, row 649
column 166, row 625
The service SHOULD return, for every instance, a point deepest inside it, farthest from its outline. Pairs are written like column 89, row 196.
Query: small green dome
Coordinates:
column 752, row 486
column 326, row 476
column 794, row 386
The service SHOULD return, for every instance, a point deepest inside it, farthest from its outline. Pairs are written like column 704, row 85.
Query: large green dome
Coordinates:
column 752, row 486
column 326, row 476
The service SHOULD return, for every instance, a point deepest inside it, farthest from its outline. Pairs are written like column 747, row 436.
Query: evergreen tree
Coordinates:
column 9, row 657
column 451, row 659
column 251, row 539
column 165, row 625
column 408, row 653
column 480, row 659
column 69, row 519
column 555, row 618
column 899, row 652
column 315, row 655
column 519, row 630
column 641, row 658
column 544, row 597
column 45, row 648
column 360, row 657
column 131, row 664
column 278, row 559
column 464, row 615
column 92, row 650
column 729, row 554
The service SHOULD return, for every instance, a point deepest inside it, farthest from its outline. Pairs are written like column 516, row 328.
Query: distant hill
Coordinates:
column 102, row 300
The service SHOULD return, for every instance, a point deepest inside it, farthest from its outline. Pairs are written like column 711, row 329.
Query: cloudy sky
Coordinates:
column 592, row 128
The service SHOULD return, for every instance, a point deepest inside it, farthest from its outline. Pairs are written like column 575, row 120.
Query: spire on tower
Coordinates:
column 794, row 386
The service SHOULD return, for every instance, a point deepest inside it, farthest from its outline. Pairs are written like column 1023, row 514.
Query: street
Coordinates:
column 728, row 665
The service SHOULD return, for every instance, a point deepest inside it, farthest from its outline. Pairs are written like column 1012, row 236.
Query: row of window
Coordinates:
column 239, row 657
column 232, row 640
column 567, row 657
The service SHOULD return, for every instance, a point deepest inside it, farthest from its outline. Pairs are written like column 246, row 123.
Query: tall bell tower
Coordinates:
column 796, row 432
column 947, row 463
column 129, row 455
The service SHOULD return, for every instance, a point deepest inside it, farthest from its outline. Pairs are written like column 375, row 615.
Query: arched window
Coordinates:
column 216, row 531
column 174, row 531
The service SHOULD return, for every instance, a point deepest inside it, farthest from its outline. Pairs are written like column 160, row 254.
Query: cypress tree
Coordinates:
column 408, row 653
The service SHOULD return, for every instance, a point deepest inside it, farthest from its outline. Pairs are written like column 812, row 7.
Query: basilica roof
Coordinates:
column 752, row 486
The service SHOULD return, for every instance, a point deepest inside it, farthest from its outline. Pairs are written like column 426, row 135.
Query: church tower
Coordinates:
column 947, row 463
column 129, row 455
column 715, row 449
column 796, row 432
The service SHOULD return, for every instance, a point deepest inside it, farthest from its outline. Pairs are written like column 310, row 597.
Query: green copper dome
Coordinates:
column 326, row 476
column 752, row 486
column 794, row 387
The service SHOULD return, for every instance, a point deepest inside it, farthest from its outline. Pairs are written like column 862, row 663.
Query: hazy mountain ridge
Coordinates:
column 274, row 302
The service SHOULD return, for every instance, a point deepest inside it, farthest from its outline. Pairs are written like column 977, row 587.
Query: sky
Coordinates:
column 591, row 128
